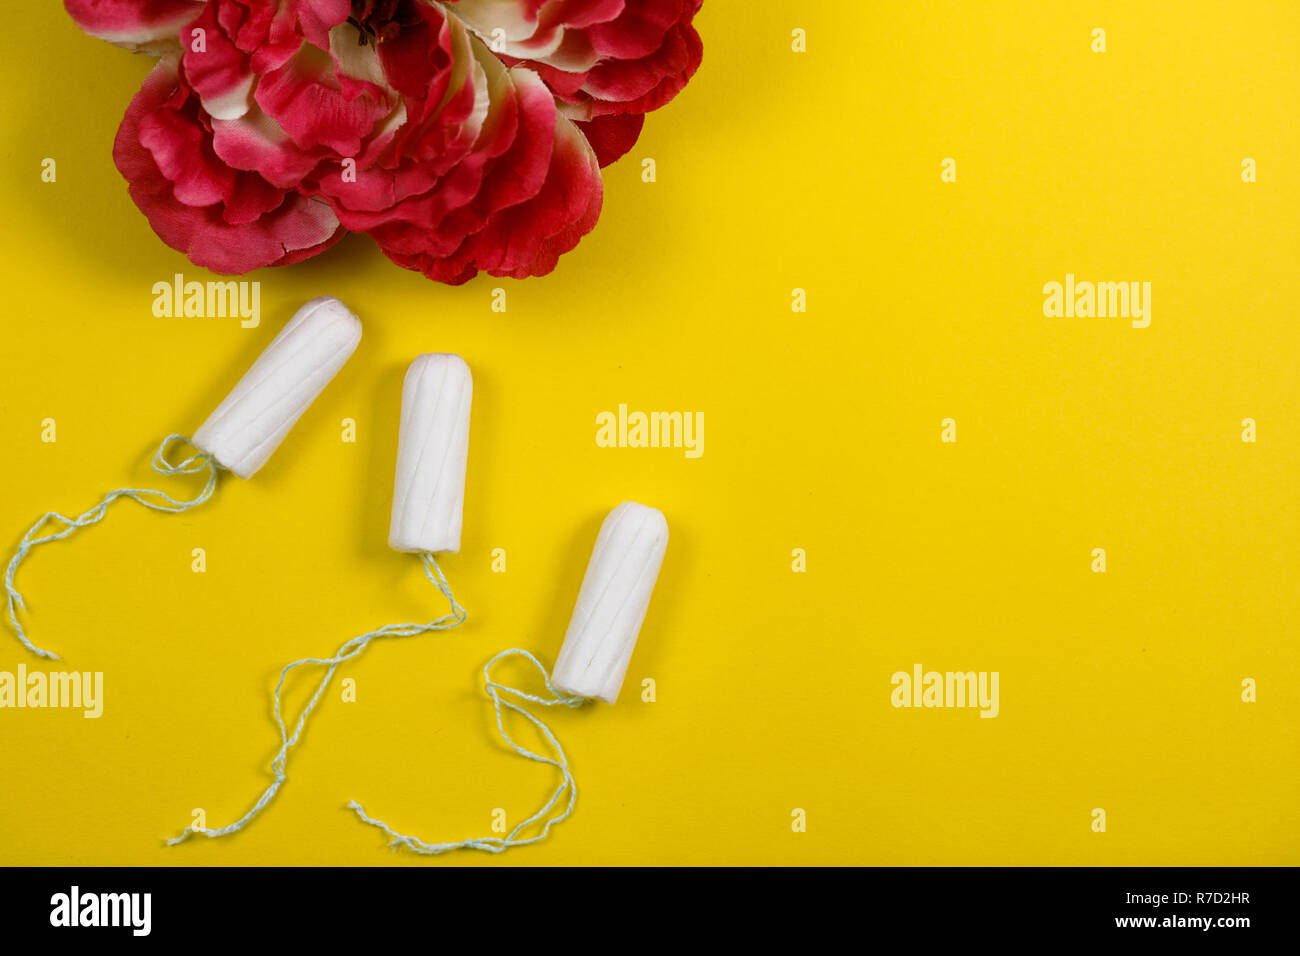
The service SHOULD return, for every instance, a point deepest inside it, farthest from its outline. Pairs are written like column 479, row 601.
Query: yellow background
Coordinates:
column 775, row 170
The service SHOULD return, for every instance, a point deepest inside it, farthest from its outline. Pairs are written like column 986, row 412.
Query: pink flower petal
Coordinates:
column 252, row 231
column 136, row 24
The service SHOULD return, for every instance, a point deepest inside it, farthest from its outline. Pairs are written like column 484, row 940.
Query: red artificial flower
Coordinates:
column 461, row 136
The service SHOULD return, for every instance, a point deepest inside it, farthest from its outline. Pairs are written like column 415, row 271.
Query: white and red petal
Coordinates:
column 255, row 142
column 218, row 70
column 444, row 125
column 307, row 99
column 548, row 31
column 633, row 52
column 517, row 19
column 146, row 25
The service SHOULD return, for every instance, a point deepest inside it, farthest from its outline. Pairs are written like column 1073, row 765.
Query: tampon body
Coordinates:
column 612, row 602
column 432, row 452
column 280, row 386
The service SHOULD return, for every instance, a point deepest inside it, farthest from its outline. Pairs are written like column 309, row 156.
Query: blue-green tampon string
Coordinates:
column 345, row 653
column 199, row 462
column 545, row 817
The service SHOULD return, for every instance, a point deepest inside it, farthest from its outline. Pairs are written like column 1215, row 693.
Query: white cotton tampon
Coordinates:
column 432, row 452
column 612, row 602
column 286, row 378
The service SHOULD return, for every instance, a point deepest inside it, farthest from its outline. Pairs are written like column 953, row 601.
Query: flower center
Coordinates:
column 380, row 20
